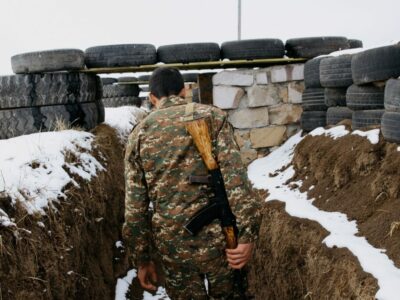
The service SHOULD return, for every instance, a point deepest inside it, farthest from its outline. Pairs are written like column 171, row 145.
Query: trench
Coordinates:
column 76, row 256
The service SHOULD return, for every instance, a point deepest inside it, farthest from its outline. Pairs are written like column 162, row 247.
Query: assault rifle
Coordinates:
column 218, row 207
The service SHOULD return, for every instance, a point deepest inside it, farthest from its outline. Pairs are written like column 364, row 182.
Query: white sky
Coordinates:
column 30, row 25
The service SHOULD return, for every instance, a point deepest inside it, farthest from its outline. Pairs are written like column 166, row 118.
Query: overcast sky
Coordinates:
column 30, row 25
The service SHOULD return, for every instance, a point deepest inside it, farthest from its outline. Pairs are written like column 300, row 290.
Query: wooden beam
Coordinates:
column 221, row 64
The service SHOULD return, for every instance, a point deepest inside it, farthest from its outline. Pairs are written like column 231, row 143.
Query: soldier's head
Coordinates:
column 165, row 82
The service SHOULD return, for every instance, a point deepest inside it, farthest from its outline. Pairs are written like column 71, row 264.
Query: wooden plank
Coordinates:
column 223, row 64
column 205, row 88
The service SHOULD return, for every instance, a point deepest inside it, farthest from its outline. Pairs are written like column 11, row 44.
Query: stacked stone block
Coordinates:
column 263, row 106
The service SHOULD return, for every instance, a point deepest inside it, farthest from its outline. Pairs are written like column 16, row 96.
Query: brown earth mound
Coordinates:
column 353, row 176
column 291, row 262
column 74, row 255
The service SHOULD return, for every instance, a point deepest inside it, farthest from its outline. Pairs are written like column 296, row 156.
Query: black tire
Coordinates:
column 365, row 97
column 100, row 111
column 47, row 89
column 392, row 95
column 366, row 118
column 314, row 46
column 376, row 64
column 129, row 79
column 313, row 99
column 336, row 71
column 121, row 90
column 335, row 115
column 353, row 43
column 20, row 121
column 186, row 53
column 312, row 119
column 390, row 126
column 122, row 101
column 120, row 55
column 253, row 49
column 144, row 77
column 311, row 73
column 108, row 80
column 190, row 77
column 335, row 97
column 48, row 61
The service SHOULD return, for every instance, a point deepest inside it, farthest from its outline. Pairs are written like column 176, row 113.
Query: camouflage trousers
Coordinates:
column 209, row 280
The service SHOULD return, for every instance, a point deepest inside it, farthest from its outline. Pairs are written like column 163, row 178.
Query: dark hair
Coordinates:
column 165, row 82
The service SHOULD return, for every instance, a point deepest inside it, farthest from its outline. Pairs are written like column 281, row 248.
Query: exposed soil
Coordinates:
column 353, row 176
column 291, row 262
column 74, row 255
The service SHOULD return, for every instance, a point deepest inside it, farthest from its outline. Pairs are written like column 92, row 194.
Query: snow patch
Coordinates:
column 334, row 132
column 123, row 118
column 123, row 286
column 342, row 231
column 33, row 168
column 371, row 135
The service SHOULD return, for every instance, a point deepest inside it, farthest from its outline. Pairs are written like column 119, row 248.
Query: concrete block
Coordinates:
column 248, row 155
column 235, row 78
column 267, row 136
column 268, row 95
column 295, row 90
column 227, row 97
column 242, row 138
column 284, row 114
column 287, row 73
column 249, row 117
column 261, row 77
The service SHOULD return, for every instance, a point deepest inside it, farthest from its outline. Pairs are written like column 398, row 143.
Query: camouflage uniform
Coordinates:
column 160, row 156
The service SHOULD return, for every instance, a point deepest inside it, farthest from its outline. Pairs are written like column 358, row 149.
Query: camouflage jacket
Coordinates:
column 160, row 156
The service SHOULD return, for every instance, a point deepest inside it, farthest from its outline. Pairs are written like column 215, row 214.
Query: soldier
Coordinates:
column 160, row 156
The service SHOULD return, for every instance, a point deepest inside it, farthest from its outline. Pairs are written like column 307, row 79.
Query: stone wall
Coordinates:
column 264, row 105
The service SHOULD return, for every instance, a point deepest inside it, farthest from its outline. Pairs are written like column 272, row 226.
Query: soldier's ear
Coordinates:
column 182, row 93
column 153, row 99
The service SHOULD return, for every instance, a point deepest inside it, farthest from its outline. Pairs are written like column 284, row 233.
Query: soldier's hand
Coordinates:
column 238, row 258
column 147, row 275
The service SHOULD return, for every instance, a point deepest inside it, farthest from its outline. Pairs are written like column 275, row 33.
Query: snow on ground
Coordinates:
column 32, row 168
column 334, row 132
column 339, row 131
column 372, row 135
column 123, row 286
column 342, row 231
column 123, row 118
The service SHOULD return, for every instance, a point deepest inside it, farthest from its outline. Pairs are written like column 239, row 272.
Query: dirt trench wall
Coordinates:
column 73, row 256
column 291, row 262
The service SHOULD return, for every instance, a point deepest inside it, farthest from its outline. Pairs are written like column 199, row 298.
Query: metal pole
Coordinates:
column 239, row 20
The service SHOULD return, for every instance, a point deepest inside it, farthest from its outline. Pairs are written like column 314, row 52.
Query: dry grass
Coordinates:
column 393, row 227
column 62, row 124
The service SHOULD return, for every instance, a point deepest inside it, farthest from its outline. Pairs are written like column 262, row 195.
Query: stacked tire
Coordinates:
column 43, row 97
column 121, row 93
column 335, row 77
column 368, row 96
column 391, row 117
column 313, row 101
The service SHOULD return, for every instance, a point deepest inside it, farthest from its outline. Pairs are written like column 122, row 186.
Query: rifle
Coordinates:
column 218, row 207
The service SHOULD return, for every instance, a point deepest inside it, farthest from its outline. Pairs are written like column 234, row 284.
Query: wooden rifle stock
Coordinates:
column 198, row 129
